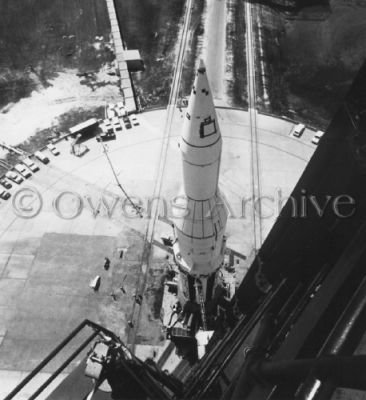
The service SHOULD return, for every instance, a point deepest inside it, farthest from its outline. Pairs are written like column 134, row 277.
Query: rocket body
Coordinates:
column 199, row 232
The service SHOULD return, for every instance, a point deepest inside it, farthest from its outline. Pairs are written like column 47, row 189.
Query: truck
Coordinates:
column 299, row 130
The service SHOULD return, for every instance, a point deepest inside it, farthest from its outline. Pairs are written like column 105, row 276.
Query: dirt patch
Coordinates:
column 235, row 42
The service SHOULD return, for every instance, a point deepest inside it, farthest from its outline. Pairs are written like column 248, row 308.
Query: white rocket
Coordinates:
column 200, row 244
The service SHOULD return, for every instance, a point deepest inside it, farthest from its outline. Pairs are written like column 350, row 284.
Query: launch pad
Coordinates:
column 134, row 155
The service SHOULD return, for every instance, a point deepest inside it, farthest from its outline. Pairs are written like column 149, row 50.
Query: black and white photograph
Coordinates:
column 183, row 199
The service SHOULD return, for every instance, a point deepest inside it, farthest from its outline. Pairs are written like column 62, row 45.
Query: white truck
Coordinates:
column 299, row 130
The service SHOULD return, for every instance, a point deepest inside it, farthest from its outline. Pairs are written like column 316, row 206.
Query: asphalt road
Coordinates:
column 214, row 54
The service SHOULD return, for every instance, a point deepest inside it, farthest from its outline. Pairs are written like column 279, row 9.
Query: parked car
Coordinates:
column 108, row 126
column 42, row 157
column 116, row 124
column 52, row 148
column 31, row 165
column 13, row 176
column 6, row 184
column 23, row 170
column 318, row 135
column 4, row 194
column 127, row 122
column 134, row 120
column 299, row 130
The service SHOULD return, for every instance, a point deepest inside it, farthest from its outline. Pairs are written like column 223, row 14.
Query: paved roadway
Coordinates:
column 214, row 52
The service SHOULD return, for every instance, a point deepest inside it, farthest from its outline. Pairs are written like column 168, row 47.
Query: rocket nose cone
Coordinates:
column 201, row 127
column 201, row 67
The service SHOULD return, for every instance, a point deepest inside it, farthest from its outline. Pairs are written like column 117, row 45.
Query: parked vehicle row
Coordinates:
column 299, row 130
column 114, row 124
column 31, row 165
column 13, row 176
column 23, row 170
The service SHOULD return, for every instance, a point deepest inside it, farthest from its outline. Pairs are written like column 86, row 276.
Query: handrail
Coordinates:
column 55, row 351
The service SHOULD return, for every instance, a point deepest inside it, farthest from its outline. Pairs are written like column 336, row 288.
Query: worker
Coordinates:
column 122, row 289
column 107, row 263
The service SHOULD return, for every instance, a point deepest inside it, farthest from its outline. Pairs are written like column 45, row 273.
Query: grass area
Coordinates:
column 152, row 27
column 236, row 42
column 196, row 35
column 39, row 38
column 275, row 78
column 311, row 62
